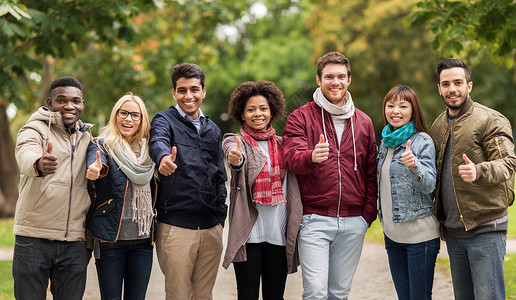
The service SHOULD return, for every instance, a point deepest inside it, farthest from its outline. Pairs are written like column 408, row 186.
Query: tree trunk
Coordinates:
column 8, row 167
column 46, row 80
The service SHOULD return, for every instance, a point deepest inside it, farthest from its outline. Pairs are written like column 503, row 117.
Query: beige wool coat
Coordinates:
column 242, row 211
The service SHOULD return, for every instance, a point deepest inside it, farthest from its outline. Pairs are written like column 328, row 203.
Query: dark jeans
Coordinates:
column 130, row 264
column 35, row 261
column 412, row 268
column 266, row 261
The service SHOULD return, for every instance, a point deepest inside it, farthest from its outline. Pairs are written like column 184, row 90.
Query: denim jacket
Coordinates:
column 412, row 188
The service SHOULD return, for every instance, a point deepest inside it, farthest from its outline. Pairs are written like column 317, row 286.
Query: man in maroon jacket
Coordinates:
column 331, row 147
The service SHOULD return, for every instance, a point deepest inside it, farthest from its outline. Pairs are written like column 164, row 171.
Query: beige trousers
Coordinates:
column 189, row 259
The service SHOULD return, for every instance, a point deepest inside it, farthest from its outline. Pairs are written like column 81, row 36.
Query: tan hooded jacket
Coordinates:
column 53, row 206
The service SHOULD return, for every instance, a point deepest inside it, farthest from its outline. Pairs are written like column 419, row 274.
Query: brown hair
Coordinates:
column 404, row 92
column 332, row 58
column 249, row 89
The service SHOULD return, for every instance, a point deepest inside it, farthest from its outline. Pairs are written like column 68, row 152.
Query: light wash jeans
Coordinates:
column 329, row 250
column 477, row 266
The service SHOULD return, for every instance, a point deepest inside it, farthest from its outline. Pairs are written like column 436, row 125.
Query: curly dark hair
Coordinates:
column 249, row 89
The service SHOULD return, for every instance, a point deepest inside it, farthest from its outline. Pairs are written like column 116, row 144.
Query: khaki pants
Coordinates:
column 189, row 259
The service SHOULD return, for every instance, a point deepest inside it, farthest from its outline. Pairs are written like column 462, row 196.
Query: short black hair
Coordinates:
column 187, row 70
column 453, row 63
column 66, row 81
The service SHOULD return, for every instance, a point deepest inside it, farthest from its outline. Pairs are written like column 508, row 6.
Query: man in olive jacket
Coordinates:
column 475, row 171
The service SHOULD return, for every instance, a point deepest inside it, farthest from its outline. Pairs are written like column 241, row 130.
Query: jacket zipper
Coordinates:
column 70, row 197
column 337, row 147
column 200, row 163
column 501, row 156
column 451, row 170
column 104, row 203
column 122, row 210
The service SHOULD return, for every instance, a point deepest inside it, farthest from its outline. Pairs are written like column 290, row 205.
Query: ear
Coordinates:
column 318, row 80
column 470, row 86
column 49, row 103
column 174, row 94
column 204, row 92
column 439, row 89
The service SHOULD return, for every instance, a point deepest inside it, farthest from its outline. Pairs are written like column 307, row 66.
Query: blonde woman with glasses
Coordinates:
column 122, row 218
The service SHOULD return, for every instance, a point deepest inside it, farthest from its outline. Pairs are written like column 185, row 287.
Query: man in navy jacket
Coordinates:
column 186, row 146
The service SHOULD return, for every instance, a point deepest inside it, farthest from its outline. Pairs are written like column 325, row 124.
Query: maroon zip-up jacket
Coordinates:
column 333, row 188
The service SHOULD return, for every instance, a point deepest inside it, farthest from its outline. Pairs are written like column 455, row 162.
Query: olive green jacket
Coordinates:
column 485, row 136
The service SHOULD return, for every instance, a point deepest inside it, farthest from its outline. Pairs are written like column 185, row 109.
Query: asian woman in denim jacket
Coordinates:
column 406, row 182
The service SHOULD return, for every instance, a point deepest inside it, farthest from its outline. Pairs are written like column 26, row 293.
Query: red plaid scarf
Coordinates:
column 268, row 186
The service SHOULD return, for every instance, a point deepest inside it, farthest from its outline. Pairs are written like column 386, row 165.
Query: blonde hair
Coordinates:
column 110, row 133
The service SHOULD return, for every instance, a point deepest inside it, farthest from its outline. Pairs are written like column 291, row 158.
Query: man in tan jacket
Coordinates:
column 475, row 172
column 51, row 210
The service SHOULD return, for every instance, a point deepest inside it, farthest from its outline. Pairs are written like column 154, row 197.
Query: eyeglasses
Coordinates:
column 122, row 113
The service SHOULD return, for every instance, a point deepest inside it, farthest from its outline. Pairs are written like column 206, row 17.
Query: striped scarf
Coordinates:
column 393, row 138
column 268, row 185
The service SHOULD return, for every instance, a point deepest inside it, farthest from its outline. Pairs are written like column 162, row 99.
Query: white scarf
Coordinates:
column 338, row 112
column 139, row 170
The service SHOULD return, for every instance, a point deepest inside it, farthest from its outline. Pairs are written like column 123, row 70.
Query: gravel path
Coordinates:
column 372, row 279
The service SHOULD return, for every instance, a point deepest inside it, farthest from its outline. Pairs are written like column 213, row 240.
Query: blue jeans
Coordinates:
column 477, row 266
column 130, row 264
column 329, row 251
column 35, row 261
column 412, row 268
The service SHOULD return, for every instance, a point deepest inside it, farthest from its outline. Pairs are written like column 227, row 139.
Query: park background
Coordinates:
column 115, row 47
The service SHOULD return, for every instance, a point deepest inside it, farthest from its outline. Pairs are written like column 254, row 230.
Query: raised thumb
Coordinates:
column 174, row 153
column 99, row 161
column 238, row 144
column 50, row 147
column 466, row 159
column 409, row 142
column 321, row 138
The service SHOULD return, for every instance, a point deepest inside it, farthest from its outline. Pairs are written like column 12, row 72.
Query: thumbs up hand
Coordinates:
column 93, row 172
column 167, row 165
column 408, row 157
column 321, row 151
column 235, row 154
column 47, row 163
column 468, row 172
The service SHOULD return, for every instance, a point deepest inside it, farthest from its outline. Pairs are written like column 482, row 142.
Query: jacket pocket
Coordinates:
column 104, row 208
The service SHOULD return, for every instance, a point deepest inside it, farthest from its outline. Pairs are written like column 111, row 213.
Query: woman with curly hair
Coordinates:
column 265, row 205
column 122, row 216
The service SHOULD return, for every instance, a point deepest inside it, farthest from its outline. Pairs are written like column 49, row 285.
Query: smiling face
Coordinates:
column 454, row 89
column 334, row 82
column 127, row 126
column 257, row 113
column 67, row 100
column 189, row 94
column 398, row 112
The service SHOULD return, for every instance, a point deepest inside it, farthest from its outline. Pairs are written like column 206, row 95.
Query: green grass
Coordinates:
column 6, row 280
column 6, row 233
column 511, row 232
column 6, row 276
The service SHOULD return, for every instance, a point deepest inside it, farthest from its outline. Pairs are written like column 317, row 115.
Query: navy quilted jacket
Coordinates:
column 106, row 213
column 194, row 196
